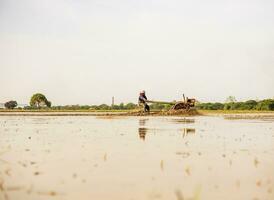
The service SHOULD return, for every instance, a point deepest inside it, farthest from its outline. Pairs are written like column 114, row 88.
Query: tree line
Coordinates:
column 266, row 104
column 39, row 101
column 121, row 106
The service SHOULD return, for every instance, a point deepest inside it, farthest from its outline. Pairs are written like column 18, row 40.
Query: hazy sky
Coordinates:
column 85, row 52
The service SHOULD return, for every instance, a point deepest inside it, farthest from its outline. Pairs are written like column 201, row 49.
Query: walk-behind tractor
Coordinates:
column 185, row 105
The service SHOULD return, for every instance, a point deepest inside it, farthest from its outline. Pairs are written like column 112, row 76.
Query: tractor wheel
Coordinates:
column 180, row 106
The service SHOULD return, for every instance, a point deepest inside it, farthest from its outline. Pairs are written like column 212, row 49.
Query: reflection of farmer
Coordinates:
column 142, row 129
column 143, row 100
column 142, row 133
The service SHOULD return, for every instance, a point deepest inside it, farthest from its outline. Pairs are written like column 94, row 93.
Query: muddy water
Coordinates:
column 130, row 158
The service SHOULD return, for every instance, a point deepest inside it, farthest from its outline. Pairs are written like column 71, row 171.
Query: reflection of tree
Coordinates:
column 142, row 129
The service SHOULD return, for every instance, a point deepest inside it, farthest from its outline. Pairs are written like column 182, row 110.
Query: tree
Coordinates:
column 10, row 104
column 115, row 107
column 228, row 106
column 130, row 106
column 38, row 100
column 122, row 106
column 250, row 104
column 266, row 104
column 48, row 104
column 103, row 107
column 211, row 106
column 230, row 99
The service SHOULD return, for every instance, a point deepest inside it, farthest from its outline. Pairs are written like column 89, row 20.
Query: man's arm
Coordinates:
column 142, row 98
column 145, row 97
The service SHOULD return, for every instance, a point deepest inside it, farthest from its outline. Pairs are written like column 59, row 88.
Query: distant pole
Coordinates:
column 112, row 103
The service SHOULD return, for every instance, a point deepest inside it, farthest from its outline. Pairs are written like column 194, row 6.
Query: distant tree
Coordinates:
column 210, row 106
column 130, row 106
column 104, row 107
column 115, row 107
column 122, row 106
column 85, row 107
column 266, row 104
column 10, row 104
column 228, row 106
column 230, row 99
column 250, row 104
column 217, row 106
column 157, row 106
column 38, row 100
column 48, row 104
column 238, row 106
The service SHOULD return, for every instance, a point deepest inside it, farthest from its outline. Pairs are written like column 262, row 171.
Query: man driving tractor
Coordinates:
column 143, row 101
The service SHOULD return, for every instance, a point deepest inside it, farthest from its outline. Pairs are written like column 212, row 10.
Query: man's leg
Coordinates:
column 147, row 109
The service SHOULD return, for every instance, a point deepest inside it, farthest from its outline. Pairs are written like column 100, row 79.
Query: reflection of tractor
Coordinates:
column 185, row 104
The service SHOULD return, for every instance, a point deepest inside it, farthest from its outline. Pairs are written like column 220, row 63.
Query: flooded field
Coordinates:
column 136, row 158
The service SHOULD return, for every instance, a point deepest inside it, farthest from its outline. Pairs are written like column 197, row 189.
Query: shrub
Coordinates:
column 10, row 104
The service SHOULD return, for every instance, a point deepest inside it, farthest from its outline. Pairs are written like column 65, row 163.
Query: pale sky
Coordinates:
column 85, row 52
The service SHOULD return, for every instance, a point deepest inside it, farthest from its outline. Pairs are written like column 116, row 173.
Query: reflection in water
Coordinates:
column 183, row 121
column 142, row 130
column 142, row 122
column 164, row 166
column 187, row 131
column 142, row 133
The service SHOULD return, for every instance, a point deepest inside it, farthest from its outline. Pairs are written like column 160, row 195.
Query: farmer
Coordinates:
column 143, row 101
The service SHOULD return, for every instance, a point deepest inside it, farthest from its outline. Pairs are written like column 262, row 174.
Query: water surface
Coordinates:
column 131, row 158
